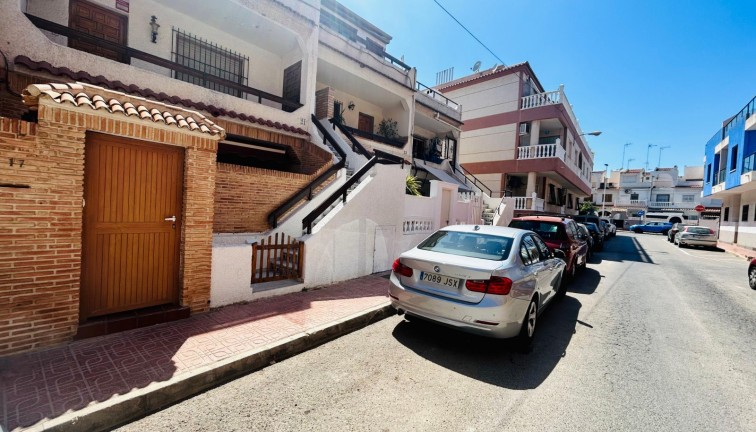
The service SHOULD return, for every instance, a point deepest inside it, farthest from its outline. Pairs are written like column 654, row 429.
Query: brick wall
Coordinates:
column 244, row 196
column 11, row 104
column 41, row 226
column 40, row 233
column 324, row 103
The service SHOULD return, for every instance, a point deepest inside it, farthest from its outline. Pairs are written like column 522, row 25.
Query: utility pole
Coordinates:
column 648, row 150
column 603, row 198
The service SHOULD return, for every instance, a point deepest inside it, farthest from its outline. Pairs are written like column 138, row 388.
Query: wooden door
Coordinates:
column 99, row 22
column 292, row 84
column 365, row 123
column 130, row 256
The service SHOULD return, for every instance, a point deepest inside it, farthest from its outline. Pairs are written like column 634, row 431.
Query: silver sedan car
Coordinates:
column 696, row 236
column 488, row 280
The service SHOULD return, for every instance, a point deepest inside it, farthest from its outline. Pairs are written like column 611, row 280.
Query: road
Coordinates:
column 650, row 338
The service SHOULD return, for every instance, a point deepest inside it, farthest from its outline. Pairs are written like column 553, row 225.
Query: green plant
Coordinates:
column 587, row 207
column 388, row 128
column 413, row 185
column 338, row 113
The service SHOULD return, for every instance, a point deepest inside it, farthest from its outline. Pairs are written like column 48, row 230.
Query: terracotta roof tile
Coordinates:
column 133, row 89
column 91, row 96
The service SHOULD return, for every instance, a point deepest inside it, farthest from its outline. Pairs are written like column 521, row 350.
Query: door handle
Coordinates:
column 172, row 219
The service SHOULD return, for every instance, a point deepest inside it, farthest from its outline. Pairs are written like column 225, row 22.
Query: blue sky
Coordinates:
column 645, row 72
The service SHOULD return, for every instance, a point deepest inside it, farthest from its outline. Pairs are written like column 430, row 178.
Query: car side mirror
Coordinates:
column 558, row 253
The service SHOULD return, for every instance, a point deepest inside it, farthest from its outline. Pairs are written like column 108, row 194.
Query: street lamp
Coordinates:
column 623, row 155
column 603, row 198
column 594, row 133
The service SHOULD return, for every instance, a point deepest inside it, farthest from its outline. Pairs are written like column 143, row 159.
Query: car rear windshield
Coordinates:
column 474, row 245
column 549, row 231
column 591, row 226
column 697, row 230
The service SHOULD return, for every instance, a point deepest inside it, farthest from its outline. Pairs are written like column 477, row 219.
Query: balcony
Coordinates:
column 671, row 205
column 541, row 151
column 435, row 100
column 164, row 71
column 529, row 203
column 552, row 98
column 631, row 203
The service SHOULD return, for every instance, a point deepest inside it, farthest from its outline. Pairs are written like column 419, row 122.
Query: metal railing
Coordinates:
column 307, row 191
column 748, row 110
column 470, row 177
column 128, row 53
column 749, row 163
column 341, row 192
column 721, row 176
column 438, row 97
column 374, row 137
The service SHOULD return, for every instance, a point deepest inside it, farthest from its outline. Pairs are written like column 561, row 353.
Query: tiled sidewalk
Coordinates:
column 47, row 384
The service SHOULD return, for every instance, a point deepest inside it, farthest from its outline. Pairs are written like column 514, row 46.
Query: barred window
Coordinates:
column 209, row 60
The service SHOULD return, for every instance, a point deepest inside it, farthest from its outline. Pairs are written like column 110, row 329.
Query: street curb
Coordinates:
column 141, row 402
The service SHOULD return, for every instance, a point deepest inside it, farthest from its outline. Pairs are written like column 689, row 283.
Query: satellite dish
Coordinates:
column 494, row 67
column 476, row 66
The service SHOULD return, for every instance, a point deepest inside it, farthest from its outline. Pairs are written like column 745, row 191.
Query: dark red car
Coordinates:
column 752, row 274
column 558, row 233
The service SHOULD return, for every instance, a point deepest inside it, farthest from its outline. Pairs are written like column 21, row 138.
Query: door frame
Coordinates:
column 91, row 135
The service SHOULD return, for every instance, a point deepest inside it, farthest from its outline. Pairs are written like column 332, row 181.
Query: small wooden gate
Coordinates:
column 277, row 259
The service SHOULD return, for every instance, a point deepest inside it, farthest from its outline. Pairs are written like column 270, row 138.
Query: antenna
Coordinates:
column 444, row 76
column 658, row 164
column 476, row 66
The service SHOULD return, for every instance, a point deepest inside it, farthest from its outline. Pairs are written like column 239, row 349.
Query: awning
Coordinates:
column 445, row 177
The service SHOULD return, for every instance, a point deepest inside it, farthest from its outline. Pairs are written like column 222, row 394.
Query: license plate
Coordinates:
column 441, row 280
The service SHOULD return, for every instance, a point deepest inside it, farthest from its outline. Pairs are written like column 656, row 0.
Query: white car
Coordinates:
column 488, row 280
column 612, row 228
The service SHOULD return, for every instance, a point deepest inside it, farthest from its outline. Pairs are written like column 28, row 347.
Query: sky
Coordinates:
column 666, row 73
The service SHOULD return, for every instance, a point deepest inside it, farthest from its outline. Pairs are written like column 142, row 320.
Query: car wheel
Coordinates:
column 572, row 271
column 637, row 231
column 752, row 277
column 665, row 232
column 680, row 245
column 562, row 287
column 527, row 331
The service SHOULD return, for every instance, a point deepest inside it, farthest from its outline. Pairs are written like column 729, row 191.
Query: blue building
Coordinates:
column 730, row 175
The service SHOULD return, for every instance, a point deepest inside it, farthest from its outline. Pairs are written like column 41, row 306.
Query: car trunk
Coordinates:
column 427, row 279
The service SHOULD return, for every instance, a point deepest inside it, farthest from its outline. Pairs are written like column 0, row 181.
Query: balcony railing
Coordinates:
column 436, row 96
column 552, row 98
column 541, row 151
column 529, row 203
column 665, row 204
column 631, row 203
column 749, row 163
column 127, row 52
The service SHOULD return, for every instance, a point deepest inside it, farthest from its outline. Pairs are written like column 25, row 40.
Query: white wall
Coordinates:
column 489, row 144
column 489, row 97
column 231, row 274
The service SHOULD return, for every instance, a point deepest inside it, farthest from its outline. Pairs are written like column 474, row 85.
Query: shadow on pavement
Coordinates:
column 585, row 282
column 496, row 361
column 624, row 247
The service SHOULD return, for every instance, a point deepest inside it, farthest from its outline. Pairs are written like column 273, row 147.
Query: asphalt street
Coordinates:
column 650, row 338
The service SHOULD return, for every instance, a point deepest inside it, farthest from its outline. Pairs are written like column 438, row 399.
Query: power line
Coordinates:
column 468, row 31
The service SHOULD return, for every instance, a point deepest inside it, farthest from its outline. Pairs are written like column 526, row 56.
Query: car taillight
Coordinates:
column 711, row 231
column 402, row 269
column 495, row 285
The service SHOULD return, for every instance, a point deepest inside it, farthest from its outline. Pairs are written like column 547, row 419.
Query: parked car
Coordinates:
column 696, row 236
column 487, row 280
column 596, row 234
column 611, row 226
column 752, row 274
column 652, row 227
column 588, row 239
column 587, row 218
column 558, row 233
column 676, row 227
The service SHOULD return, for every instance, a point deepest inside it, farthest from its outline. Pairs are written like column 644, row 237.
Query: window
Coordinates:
column 535, row 255
column 607, row 198
column 580, row 161
column 662, row 198
column 734, row 158
column 634, row 196
column 708, row 173
column 545, row 253
column 727, row 214
column 209, row 60
column 688, row 198
column 744, row 214
column 524, row 255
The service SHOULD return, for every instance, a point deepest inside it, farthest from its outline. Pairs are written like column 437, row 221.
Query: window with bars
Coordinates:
column 209, row 61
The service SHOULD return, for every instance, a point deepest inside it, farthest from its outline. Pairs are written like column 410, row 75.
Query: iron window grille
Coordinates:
column 209, row 59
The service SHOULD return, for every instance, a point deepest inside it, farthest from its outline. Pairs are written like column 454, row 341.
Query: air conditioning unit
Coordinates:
column 524, row 128
column 628, row 190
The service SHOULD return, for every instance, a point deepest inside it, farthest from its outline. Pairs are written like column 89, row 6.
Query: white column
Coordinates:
column 535, row 132
column 531, row 187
